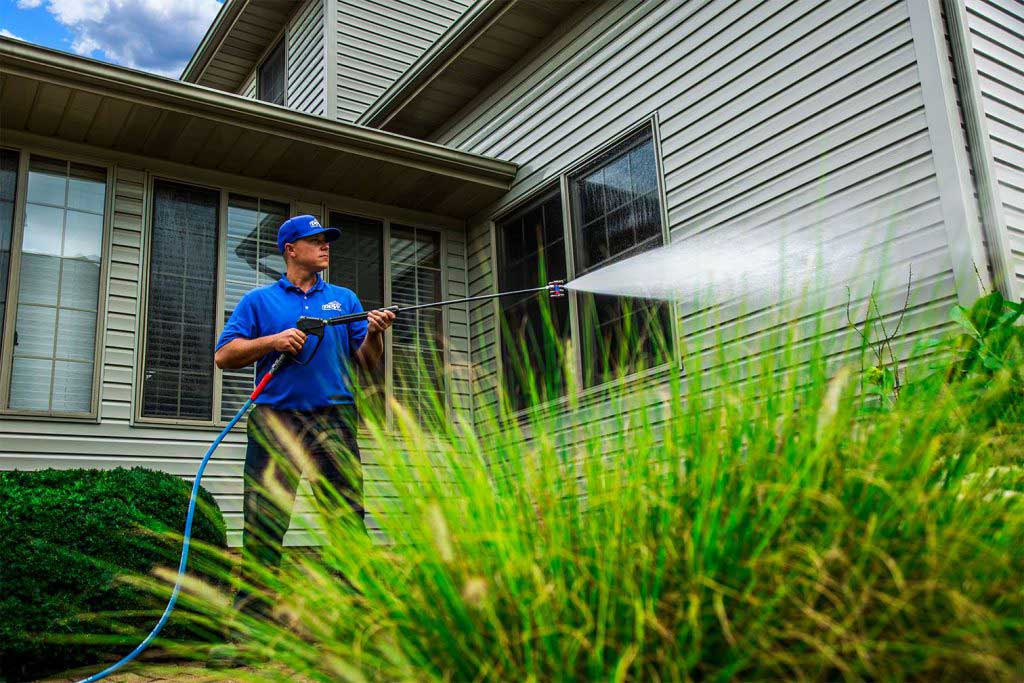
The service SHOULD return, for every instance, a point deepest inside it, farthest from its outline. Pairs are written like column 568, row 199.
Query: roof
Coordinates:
column 485, row 43
column 239, row 35
column 55, row 95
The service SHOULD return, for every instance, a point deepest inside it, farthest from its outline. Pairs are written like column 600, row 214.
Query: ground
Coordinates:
column 147, row 673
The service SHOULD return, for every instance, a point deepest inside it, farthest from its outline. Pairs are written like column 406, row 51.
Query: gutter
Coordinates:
column 34, row 62
column 460, row 35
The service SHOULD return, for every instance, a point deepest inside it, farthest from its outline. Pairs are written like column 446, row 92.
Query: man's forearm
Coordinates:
column 241, row 352
column 371, row 350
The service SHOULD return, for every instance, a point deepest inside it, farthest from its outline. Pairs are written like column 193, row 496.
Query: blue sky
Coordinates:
column 157, row 36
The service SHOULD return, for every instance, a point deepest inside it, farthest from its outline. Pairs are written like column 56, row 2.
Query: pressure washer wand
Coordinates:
column 316, row 326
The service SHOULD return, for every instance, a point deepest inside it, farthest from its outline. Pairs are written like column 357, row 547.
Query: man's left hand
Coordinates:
column 379, row 320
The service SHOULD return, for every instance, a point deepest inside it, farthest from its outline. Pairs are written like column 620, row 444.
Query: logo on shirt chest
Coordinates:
column 332, row 306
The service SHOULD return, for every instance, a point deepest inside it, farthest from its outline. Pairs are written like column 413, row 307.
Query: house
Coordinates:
column 458, row 146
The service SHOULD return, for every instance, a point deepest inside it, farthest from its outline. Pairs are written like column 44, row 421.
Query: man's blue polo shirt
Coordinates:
column 275, row 308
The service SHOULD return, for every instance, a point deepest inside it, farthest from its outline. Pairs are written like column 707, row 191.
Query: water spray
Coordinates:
column 315, row 327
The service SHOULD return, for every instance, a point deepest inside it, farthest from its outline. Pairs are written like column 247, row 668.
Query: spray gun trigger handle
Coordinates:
column 310, row 325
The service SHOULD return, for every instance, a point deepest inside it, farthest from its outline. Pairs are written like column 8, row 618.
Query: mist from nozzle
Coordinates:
column 759, row 266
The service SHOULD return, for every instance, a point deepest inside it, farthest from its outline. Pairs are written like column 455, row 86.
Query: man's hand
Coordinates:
column 289, row 341
column 379, row 320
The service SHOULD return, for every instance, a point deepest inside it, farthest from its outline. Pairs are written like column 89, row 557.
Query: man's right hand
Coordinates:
column 289, row 341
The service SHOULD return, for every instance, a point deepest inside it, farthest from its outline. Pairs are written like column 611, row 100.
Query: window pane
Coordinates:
column 72, row 386
column 8, row 185
column 253, row 260
column 76, row 335
column 83, row 236
column 619, row 335
column 36, row 328
column 417, row 340
column 47, row 181
column 61, row 253
column 87, row 188
column 44, row 229
column 79, row 283
column 359, row 265
column 183, row 265
column 39, row 275
column 271, row 76
column 533, row 350
column 30, row 383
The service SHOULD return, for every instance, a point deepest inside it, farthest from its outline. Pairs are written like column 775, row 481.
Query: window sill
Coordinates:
column 80, row 418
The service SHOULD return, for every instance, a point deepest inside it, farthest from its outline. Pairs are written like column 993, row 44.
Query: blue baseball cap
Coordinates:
column 297, row 227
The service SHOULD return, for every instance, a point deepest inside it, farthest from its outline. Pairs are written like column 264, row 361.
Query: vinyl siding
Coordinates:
column 306, row 84
column 997, row 38
column 116, row 442
column 774, row 118
column 377, row 40
column 248, row 88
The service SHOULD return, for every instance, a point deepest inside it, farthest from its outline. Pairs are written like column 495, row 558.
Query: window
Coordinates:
column 8, row 186
column 417, row 340
column 271, row 76
column 359, row 266
column 58, row 297
column 251, row 260
column 531, row 252
column 181, row 310
column 616, row 215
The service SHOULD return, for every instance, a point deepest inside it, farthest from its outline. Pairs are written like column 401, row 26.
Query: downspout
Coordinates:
column 979, row 149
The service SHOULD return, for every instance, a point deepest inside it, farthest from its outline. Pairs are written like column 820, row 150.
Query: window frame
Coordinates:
column 536, row 197
column 14, row 277
column 224, row 192
column 389, row 365
column 561, row 180
column 294, row 206
column 280, row 42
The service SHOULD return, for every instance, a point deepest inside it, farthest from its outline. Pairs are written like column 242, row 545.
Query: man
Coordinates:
column 306, row 413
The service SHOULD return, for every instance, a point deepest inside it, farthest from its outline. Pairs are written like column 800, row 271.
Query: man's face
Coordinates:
column 310, row 252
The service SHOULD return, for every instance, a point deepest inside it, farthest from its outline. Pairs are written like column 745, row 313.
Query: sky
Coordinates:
column 157, row 36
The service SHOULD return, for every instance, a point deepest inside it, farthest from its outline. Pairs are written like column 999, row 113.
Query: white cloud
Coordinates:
column 7, row 34
column 152, row 35
column 29, row 4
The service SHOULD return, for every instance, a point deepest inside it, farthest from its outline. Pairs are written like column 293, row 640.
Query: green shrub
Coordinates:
column 67, row 537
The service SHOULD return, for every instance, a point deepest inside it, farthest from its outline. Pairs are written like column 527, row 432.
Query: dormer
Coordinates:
column 331, row 58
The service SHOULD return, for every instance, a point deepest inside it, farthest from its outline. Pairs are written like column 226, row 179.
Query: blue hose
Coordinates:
column 184, row 555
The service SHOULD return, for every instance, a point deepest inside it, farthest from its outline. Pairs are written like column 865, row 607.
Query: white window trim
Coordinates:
column 561, row 179
column 13, row 280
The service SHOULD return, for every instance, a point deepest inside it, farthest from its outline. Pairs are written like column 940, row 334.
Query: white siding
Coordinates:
column 997, row 38
column 377, row 40
column 774, row 116
column 305, row 82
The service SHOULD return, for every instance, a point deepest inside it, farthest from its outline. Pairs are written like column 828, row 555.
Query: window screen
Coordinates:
column 181, row 313
column 616, row 215
column 271, row 76
column 58, row 290
column 417, row 340
column 8, row 185
column 357, row 262
column 531, row 252
column 251, row 260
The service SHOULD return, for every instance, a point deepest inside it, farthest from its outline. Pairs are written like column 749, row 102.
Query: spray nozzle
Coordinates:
column 556, row 288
